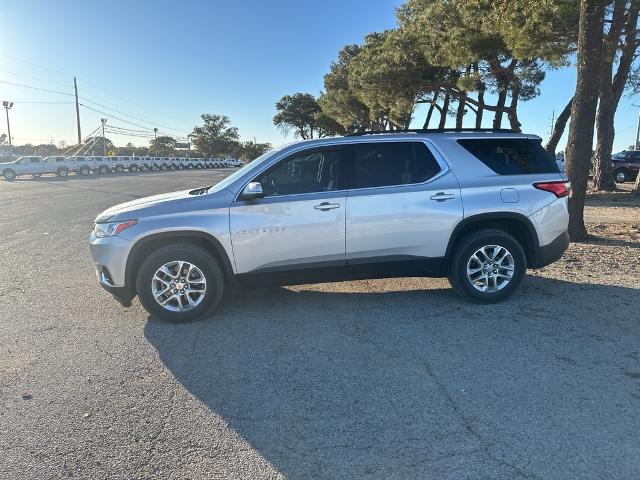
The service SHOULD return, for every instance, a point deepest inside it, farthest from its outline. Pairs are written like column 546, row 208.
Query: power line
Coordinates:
column 52, row 103
column 33, row 78
column 16, row 59
column 130, row 116
column 36, row 88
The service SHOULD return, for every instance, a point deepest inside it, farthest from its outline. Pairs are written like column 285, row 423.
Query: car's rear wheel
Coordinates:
column 180, row 282
column 36, row 175
column 103, row 170
column 9, row 174
column 62, row 172
column 133, row 168
column 84, row 171
column 487, row 266
column 119, row 169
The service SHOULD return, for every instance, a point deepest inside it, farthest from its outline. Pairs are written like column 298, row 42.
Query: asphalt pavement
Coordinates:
column 393, row 378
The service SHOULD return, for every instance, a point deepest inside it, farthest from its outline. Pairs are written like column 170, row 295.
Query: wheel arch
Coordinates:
column 515, row 224
column 141, row 248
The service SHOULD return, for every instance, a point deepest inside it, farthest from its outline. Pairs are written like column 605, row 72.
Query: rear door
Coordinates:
column 404, row 205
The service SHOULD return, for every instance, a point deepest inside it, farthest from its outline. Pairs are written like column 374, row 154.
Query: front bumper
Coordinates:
column 110, row 261
column 550, row 253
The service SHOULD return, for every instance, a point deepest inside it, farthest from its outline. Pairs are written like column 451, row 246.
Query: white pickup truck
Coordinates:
column 35, row 166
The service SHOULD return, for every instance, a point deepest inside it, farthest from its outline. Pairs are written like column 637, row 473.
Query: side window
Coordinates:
column 306, row 172
column 511, row 156
column 384, row 164
column 35, row 160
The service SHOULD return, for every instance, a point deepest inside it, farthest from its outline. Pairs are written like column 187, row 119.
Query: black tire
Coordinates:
column 36, row 175
column 465, row 248
column 621, row 175
column 119, row 169
column 133, row 168
column 104, row 170
column 84, row 171
column 9, row 174
column 62, row 172
column 188, row 253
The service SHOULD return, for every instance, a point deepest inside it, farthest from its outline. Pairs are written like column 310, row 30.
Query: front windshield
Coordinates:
column 249, row 166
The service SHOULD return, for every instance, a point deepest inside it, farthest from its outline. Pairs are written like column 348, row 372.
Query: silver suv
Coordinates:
column 479, row 207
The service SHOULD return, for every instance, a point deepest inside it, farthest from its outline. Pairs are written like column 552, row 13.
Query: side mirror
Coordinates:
column 252, row 191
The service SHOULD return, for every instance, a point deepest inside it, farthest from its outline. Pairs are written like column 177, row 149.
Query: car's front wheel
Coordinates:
column 9, row 174
column 180, row 282
column 487, row 266
column 62, row 172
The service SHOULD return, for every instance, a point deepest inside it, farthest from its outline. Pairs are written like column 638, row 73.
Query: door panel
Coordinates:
column 291, row 231
column 402, row 221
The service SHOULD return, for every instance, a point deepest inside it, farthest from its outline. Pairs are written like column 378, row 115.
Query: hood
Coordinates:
column 164, row 204
column 7, row 164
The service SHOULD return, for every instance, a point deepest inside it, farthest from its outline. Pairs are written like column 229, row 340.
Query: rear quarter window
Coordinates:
column 511, row 156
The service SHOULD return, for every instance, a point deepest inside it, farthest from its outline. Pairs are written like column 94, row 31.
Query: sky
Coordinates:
column 164, row 63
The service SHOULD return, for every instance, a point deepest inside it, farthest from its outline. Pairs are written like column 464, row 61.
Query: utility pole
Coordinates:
column 553, row 121
column 75, row 87
column 104, row 145
column 7, row 106
column 155, row 133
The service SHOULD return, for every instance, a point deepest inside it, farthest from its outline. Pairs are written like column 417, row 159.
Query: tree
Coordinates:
column 250, row 150
column 500, row 47
column 3, row 139
column 216, row 138
column 390, row 76
column 583, row 110
column 162, row 146
column 558, row 128
column 338, row 101
column 297, row 112
column 621, row 44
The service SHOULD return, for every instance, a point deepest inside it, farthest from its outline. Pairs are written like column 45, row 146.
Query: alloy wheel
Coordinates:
column 490, row 268
column 178, row 286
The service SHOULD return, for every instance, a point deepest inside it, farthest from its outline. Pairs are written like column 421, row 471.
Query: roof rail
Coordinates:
column 433, row 130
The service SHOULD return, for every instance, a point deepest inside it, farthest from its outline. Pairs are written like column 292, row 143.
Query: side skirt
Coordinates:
column 363, row 269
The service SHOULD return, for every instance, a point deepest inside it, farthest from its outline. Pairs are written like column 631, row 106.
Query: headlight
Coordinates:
column 111, row 229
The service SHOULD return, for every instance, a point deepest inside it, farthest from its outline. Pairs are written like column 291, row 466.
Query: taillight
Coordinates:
column 559, row 189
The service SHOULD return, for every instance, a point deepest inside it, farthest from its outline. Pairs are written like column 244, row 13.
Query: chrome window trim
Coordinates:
column 444, row 166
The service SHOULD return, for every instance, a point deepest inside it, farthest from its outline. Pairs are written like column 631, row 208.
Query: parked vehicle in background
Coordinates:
column 232, row 162
column 56, row 164
column 478, row 207
column 134, row 164
column 118, row 164
column 26, row 165
column 626, row 165
column 100, row 165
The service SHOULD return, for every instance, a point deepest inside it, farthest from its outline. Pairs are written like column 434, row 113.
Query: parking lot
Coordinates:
column 394, row 378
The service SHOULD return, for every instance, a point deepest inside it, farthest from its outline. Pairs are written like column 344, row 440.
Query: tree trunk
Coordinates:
column 502, row 99
column 430, row 112
column 583, row 110
column 611, row 89
column 558, row 128
column 444, row 111
column 460, row 113
column 636, row 186
column 480, row 110
column 512, row 114
column 605, row 131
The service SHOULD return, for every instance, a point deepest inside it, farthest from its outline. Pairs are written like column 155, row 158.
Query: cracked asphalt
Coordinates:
column 375, row 379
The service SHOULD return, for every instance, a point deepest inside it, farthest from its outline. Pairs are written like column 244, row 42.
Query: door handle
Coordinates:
column 324, row 206
column 441, row 196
